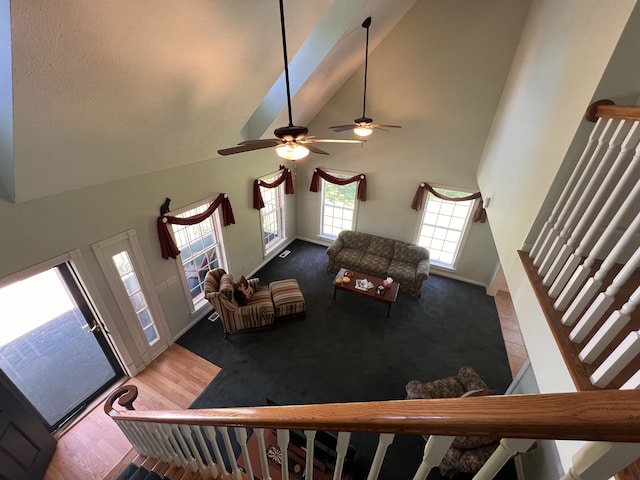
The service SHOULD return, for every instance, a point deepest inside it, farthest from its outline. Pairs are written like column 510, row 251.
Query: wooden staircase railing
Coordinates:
column 188, row 437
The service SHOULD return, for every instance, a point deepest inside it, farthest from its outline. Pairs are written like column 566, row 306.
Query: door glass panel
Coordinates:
column 136, row 296
column 47, row 348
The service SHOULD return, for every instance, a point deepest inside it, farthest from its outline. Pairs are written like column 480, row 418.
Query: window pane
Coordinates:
column 200, row 251
column 338, row 206
column 136, row 296
column 443, row 224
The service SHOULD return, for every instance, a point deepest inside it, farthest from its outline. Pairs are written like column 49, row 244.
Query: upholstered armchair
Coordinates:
column 257, row 312
column 466, row 454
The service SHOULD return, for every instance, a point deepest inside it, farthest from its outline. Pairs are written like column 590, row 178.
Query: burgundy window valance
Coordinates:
column 285, row 176
column 360, row 178
column 480, row 215
column 168, row 246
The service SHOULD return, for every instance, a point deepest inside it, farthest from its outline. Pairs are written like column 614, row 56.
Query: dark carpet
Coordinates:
column 348, row 350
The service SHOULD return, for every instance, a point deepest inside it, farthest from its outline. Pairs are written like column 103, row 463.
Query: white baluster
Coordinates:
column 609, row 329
column 231, row 456
column 187, row 434
column 595, row 138
column 283, row 444
column 586, row 196
column 434, row 450
column 168, row 453
column 131, row 434
column 633, row 383
column 156, row 439
column 593, row 235
column 311, row 446
column 341, row 451
column 144, row 438
column 601, row 460
column 241, row 436
column 594, row 284
column 628, row 349
column 191, row 461
column 262, row 451
column 596, row 310
column 384, row 440
column 508, row 448
column 211, row 465
column 211, row 435
column 167, row 431
column 598, row 209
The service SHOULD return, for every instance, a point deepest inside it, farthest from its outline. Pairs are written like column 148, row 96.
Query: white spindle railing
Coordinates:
column 575, row 276
column 597, row 213
column 554, row 240
column 599, row 208
column 558, row 254
column 597, row 140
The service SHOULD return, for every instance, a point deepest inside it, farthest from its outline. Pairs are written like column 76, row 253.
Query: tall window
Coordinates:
column 201, row 250
column 338, row 206
column 272, row 215
column 136, row 296
column 443, row 227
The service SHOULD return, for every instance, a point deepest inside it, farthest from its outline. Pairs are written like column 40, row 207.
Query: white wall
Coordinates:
column 38, row 230
column 560, row 61
column 439, row 74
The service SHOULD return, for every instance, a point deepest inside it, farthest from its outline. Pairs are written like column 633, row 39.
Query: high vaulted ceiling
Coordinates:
column 100, row 91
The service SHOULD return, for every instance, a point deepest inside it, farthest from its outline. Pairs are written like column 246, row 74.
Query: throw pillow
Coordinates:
column 243, row 291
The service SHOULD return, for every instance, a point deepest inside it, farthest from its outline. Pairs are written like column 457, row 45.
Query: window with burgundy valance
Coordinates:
column 268, row 198
column 340, row 192
column 195, row 235
column 447, row 213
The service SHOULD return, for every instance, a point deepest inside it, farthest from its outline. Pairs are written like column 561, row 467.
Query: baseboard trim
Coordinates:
column 445, row 273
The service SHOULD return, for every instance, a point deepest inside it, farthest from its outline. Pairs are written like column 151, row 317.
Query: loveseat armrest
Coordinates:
column 422, row 270
column 335, row 247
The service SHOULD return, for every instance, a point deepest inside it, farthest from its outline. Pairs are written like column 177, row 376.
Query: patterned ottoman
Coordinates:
column 287, row 297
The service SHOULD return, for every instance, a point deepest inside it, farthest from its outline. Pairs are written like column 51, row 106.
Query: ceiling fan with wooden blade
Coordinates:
column 364, row 125
column 292, row 142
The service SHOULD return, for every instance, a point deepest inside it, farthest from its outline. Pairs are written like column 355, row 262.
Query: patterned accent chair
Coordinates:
column 257, row 313
column 466, row 454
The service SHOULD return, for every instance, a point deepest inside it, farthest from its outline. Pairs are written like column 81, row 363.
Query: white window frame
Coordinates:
column 356, row 202
column 464, row 232
column 278, row 195
column 202, row 304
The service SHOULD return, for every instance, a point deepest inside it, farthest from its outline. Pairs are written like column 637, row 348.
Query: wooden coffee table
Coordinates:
column 388, row 298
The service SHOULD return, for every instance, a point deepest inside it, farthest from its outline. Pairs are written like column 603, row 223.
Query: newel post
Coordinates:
column 125, row 396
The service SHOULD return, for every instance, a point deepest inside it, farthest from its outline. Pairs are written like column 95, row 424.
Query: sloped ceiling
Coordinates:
column 107, row 90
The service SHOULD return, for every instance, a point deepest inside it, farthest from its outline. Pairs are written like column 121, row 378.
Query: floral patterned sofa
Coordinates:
column 381, row 257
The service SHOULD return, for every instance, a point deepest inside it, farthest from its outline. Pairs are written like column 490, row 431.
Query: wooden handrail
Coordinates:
column 608, row 109
column 608, row 415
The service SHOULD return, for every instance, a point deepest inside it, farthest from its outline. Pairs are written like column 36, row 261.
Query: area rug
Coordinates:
column 347, row 350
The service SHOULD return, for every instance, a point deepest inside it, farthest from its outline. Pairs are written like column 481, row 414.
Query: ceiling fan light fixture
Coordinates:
column 292, row 152
column 363, row 131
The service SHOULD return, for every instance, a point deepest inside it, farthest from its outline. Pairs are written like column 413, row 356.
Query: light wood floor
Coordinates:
column 516, row 351
column 94, row 445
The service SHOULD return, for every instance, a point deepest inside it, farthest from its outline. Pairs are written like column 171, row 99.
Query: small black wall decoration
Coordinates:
column 164, row 208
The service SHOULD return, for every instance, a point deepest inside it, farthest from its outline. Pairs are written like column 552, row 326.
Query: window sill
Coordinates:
column 443, row 266
column 273, row 248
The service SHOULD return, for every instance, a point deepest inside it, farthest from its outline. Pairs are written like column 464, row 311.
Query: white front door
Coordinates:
column 126, row 272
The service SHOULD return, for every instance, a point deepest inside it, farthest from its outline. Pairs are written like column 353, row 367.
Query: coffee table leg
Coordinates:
column 388, row 310
column 334, row 293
